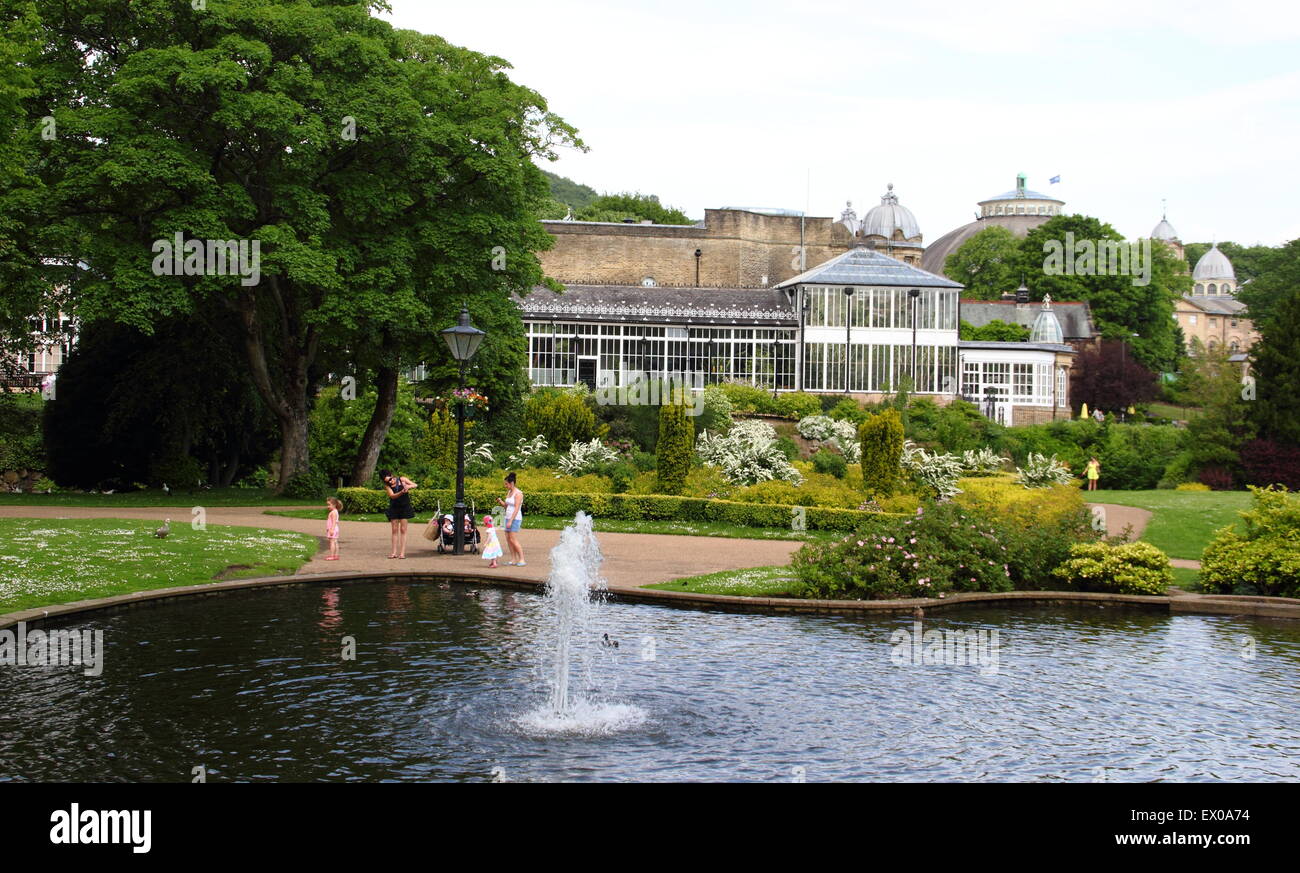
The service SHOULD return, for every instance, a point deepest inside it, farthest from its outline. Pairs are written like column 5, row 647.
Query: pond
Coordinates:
column 448, row 680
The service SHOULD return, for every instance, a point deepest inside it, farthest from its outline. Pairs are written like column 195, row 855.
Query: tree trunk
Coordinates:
column 286, row 396
column 377, row 430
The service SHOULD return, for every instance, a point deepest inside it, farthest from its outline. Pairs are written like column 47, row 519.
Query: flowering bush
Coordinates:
column 1041, row 471
column 479, row 451
column 981, row 462
column 939, row 548
column 837, row 433
column 585, row 458
column 938, row 473
column 1264, row 558
column 526, row 449
column 747, row 454
column 1129, row 568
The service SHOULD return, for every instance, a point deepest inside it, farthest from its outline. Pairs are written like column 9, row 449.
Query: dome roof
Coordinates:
column 1214, row 264
column 888, row 217
column 1164, row 231
column 1047, row 327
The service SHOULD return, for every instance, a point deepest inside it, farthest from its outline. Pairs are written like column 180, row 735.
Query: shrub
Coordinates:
column 526, row 449
column 183, row 473
column 308, row 485
column 1129, row 568
column 563, row 416
column 982, row 462
column 940, row 548
column 935, row 473
column 798, row 404
column 1177, row 471
column 586, row 457
column 748, row 453
column 787, row 447
column 22, row 446
column 1193, row 486
column 1217, row 478
column 957, row 427
column 337, row 427
column 1003, row 497
column 837, row 433
column 1264, row 558
column 643, row 461
column 748, row 398
column 880, row 439
column 674, row 449
column 848, row 410
column 1043, row 472
column 716, row 410
column 831, row 463
column 441, row 438
column 1267, row 462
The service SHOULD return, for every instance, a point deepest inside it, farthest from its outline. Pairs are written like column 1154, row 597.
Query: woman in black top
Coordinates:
column 399, row 510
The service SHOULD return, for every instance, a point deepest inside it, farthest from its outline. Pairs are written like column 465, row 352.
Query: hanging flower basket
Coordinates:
column 466, row 401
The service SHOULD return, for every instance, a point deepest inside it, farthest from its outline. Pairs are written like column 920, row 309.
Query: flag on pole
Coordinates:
column 1054, row 180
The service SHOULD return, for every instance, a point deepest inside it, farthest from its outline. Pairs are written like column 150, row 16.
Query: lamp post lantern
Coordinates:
column 463, row 340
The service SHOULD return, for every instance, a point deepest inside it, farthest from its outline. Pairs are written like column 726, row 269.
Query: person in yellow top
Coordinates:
column 1093, row 472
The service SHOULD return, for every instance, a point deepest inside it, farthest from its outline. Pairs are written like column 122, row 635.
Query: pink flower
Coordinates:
column 912, row 540
column 860, row 543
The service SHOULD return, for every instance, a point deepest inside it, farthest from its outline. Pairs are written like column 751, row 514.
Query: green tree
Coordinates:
column 387, row 176
column 562, row 415
column 675, row 447
column 1275, row 408
column 1120, row 307
column 882, row 451
column 338, row 426
column 997, row 331
column 1215, row 436
column 639, row 207
column 568, row 193
column 988, row 263
column 1277, row 276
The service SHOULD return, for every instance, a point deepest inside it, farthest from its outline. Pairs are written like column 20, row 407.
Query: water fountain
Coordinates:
column 575, row 574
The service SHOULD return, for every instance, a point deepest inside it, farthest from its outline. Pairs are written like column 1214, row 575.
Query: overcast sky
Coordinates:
column 754, row 103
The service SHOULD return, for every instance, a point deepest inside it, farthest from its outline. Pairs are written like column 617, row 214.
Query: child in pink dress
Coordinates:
column 332, row 527
column 491, row 545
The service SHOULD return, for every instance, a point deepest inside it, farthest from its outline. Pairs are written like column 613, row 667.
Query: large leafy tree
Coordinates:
column 1275, row 406
column 638, row 207
column 988, row 264
column 1120, row 307
column 1109, row 377
column 1275, row 278
column 386, row 175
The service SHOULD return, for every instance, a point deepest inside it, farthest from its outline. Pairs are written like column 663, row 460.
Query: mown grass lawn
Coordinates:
column 609, row 525
column 1182, row 522
column 49, row 561
column 154, row 497
column 751, row 582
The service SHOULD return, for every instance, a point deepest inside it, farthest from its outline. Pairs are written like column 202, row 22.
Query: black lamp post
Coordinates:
column 848, row 335
column 463, row 340
column 914, row 294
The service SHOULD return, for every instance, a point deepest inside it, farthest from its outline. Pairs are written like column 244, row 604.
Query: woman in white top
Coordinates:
column 514, row 520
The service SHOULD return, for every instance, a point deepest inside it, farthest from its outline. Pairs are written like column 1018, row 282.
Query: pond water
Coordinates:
column 448, row 681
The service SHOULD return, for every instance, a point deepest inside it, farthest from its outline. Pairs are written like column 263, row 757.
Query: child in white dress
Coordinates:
column 491, row 545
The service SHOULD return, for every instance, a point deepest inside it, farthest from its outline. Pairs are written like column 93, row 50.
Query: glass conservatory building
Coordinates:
column 862, row 323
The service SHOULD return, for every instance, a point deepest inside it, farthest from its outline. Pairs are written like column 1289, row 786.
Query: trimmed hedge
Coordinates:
column 653, row 507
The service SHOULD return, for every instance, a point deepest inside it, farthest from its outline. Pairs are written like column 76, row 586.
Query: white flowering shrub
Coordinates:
column 1041, row 471
column 937, row 472
column 479, row 451
column 526, row 448
column 984, row 462
column 747, row 454
column 585, row 457
column 842, row 435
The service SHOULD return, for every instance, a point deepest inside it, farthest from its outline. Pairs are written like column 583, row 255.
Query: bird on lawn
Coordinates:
column 166, row 490
column 608, row 643
column 161, row 533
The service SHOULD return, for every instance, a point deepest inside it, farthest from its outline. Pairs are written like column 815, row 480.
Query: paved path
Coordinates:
column 1118, row 517
column 631, row 560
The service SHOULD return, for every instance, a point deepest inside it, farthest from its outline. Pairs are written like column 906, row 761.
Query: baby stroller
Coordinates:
column 447, row 541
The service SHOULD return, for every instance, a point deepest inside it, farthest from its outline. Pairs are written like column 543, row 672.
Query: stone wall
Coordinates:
column 738, row 249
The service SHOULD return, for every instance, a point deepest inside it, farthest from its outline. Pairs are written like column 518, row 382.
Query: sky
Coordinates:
column 807, row 105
